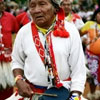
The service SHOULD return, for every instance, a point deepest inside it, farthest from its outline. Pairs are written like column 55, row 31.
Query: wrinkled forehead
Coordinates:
column 39, row 0
column 66, row 1
column 55, row 3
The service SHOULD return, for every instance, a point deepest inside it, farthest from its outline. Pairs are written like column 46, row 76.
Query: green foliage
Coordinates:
column 20, row 1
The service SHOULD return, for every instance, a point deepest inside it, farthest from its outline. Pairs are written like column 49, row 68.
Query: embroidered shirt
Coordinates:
column 75, row 19
column 68, row 55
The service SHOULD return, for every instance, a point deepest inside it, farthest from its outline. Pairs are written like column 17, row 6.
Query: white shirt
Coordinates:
column 68, row 55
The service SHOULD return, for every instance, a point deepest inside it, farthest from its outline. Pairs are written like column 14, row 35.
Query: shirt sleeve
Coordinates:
column 79, row 23
column 18, row 55
column 77, row 62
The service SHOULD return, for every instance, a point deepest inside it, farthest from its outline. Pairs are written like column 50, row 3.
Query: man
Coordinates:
column 70, row 15
column 8, row 24
column 48, row 54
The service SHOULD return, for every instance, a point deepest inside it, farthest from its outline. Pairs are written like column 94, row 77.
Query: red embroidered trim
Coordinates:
column 40, row 47
column 37, row 42
column 53, row 62
column 59, row 29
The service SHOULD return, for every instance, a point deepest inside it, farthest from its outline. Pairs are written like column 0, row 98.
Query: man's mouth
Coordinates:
column 39, row 17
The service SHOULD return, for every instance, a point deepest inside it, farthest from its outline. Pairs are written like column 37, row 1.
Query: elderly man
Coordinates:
column 48, row 55
column 8, row 25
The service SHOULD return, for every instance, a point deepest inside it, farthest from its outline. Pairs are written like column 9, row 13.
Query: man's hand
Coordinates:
column 74, row 98
column 24, row 88
column 75, row 95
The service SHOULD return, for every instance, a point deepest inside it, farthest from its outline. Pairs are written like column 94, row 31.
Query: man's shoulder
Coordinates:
column 71, row 28
column 8, row 13
column 21, row 14
column 76, row 15
column 26, row 26
column 68, row 24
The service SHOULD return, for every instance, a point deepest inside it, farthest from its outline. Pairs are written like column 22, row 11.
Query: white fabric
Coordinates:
column 6, row 76
column 16, row 97
column 79, row 23
column 68, row 55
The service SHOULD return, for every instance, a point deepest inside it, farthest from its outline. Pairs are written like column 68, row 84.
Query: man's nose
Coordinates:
column 37, row 9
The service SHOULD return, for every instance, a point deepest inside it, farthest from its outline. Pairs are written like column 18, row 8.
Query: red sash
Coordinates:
column 40, row 50
column 60, row 31
column 37, row 42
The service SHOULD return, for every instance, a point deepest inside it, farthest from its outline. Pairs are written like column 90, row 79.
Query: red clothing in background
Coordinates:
column 23, row 18
column 9, row 25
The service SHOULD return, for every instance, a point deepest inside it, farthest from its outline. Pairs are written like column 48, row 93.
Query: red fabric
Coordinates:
column 23, row 19
column 75, row 16
column 68, row 79
column 99, row 72
column 54, row 67
column 36, row 90
column 61, row 14
column 37, row 42
column 59, row 29
column 4, row 94
column 9, row 25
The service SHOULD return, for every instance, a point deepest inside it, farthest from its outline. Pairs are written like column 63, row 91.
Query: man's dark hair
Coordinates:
column 53, row 3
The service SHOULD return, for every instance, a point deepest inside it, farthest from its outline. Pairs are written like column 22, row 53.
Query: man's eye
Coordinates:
column 42, row 3
column 32, row 5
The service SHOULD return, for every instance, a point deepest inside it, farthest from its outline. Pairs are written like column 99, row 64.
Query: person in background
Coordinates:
column 92, row 41
column 71, row 16
column 23, row 18
column 48, row 54
column 8, row 25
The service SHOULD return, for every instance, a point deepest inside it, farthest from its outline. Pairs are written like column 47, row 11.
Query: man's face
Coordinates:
column 42, row 12
column 2, row 7
column 66, row 5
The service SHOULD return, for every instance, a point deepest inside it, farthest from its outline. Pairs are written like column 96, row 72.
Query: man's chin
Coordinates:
column 40, row 23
